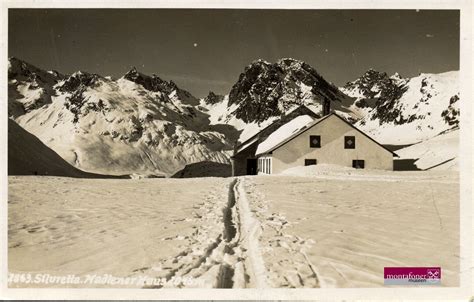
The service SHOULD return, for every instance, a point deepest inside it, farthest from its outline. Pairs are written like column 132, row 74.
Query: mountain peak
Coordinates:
column 79, row 79
column 156, row 84
column 369, row 78
column 14, row 59
column 79, row 73
column 396, row 75
column 152, row 83
column 374, row 72
column 290, row 62
column 21, row 70
column 18, row 66
column 132, row 73
column 260, row 62
column 266, row 90
column 55, row 73
column 213, row 98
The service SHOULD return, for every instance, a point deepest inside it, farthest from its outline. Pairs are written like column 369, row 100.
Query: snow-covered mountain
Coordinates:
column 143, row 124
column 395, row 110
column 136, row 124
column 265, row 91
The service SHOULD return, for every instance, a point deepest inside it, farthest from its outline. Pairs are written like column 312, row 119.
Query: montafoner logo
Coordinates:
column 412, row 275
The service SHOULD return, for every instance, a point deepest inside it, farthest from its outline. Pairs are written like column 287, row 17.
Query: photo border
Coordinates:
column 464, row 291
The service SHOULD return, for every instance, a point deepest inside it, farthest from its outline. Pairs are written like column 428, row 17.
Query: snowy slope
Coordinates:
column 438, row 153
column 27, row 155
column 222, row 113
column 394, row 110
column 136, row 124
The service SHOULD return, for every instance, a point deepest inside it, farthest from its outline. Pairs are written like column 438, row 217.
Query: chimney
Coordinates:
column 326, row 107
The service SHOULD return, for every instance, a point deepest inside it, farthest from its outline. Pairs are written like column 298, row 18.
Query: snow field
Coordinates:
column 336, row 230
column 317, row 226
column 120, row 227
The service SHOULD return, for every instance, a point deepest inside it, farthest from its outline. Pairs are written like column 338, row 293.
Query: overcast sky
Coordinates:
column 204, row 50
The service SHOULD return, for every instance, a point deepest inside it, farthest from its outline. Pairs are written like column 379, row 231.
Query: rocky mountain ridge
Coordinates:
column 144, row 124
column 135, row 124
column 398, row 110
column 267, row 90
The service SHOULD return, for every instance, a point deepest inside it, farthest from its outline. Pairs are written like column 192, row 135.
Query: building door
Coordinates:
column 251, row 166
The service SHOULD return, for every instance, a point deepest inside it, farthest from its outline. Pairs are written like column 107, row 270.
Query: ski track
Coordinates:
column 250, row 231
column 232, row 260
column 287, row 265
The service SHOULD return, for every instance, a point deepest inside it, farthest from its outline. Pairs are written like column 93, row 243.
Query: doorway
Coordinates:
column 251, row 166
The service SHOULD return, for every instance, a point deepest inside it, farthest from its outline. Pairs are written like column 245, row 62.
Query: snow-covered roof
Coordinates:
column 252, row 129
column 284, row 132
column 247, row 144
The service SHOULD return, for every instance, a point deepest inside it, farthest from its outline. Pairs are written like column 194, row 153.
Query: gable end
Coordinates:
column 320, row 121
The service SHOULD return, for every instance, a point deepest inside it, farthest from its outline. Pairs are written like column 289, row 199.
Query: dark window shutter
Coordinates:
column 349, row 142
column 358, row 164
column 315, row 141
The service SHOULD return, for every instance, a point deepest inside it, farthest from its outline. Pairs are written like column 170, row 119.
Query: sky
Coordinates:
column 207, row 49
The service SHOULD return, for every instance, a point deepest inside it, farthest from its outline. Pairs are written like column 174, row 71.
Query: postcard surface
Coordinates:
column 276, row 152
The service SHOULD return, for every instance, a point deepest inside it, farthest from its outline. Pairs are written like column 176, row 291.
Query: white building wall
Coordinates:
column 332, row 131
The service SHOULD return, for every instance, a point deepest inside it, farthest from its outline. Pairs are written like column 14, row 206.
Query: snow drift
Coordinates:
column 438, row 153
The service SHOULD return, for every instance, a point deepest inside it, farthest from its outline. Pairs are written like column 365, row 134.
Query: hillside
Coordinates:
column 395, row 110
column 27, row 155
column 438, row 153
column 135, row 124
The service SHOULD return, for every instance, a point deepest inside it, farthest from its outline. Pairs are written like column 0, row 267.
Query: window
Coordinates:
column 310, row 162
column 315, row 141
column 358, row 164
column 349, row 142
